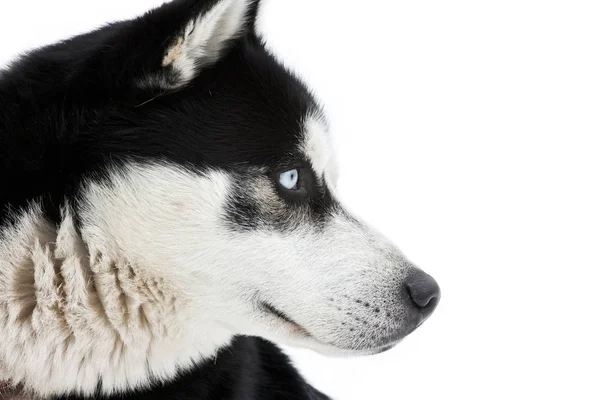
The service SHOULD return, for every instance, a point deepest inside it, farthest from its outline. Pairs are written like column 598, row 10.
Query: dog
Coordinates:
column 169, row 211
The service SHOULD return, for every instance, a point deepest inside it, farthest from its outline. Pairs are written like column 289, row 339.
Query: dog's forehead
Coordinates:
column 246, row 111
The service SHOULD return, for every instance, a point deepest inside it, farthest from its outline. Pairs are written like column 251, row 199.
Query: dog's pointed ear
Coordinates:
column 205, row 37
column 168, row 46
column 191, row 35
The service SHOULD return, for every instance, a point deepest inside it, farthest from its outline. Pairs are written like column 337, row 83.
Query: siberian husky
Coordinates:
column 169, row 210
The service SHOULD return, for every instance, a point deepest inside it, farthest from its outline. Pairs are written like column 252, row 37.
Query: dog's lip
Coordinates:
column 271, row 309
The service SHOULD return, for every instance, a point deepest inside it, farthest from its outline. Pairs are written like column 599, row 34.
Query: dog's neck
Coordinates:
column 74, row 319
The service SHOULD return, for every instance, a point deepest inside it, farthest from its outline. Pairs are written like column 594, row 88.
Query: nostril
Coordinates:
column 422, row 289
column 422, row 301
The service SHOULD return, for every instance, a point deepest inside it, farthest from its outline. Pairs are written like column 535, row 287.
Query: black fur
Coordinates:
column 71, row 110
column 75, row 108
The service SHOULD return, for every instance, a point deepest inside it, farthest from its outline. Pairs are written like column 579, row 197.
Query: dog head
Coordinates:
column 209, row 164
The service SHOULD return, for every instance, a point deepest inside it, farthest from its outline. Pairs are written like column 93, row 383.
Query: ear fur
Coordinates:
column 205, row 37
column 163, row 49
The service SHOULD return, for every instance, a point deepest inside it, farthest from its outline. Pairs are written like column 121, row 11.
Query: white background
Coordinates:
column 469, row 132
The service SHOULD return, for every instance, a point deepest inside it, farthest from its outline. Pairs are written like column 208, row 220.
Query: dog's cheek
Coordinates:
column 242, row 213
column 255, row 205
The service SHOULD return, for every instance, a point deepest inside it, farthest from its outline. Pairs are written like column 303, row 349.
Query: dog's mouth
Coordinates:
column 297, row 329
column 270, row 309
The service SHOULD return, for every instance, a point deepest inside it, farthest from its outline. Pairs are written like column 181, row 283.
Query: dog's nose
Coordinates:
column 423, row 290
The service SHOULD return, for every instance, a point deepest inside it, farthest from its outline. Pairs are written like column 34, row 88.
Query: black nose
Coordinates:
column 423, row 290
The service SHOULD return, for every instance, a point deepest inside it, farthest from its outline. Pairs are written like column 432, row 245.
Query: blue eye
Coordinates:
column 289, row 179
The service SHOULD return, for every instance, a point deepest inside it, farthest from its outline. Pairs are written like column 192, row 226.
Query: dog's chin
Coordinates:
column 336, row 350
column 297, row 336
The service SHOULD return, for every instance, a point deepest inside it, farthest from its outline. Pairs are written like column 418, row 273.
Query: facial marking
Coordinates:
column 317, row 147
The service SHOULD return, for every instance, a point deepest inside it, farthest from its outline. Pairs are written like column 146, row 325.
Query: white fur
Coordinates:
column 205, row 37
column 318, row 147
column 74, row 308
column 158, row 278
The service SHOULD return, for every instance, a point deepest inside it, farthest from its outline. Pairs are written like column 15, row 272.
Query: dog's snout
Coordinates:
column 423, row 290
